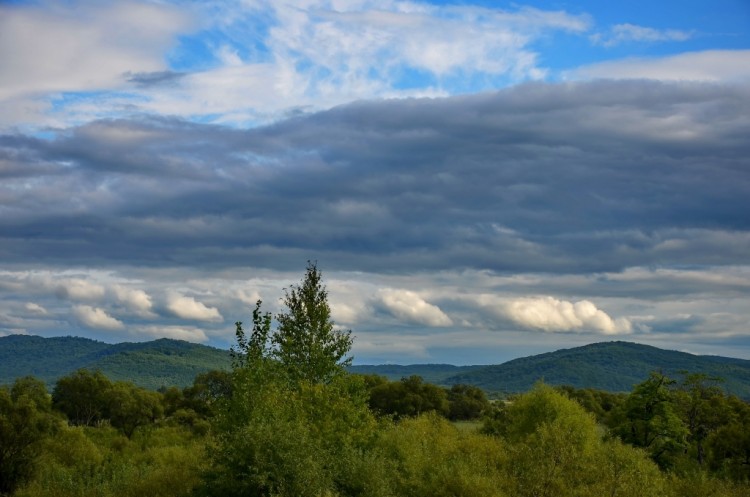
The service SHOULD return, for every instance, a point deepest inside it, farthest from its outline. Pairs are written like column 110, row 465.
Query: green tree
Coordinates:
column 251, row 350
column 295, row 423
column 409, row 397
column 729, row 445
column 82, row 397
column 24, row 424
column 207, row 391
column 553, row 442
column 466, row 402
column 129, row 407
column 703, row 408
column 307, row 343
column 649, row 419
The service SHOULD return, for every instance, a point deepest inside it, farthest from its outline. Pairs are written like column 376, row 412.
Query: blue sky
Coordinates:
column 477, row 180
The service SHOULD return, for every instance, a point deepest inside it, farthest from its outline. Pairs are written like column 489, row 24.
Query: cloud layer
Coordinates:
column 475, row 182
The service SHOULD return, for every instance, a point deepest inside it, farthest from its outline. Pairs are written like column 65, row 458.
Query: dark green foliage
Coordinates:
column 207, row 391
column 409, row 397
column 729, row 445
column 129, row 407
column 650, row 420
column 466, row 402
column 82, row 397
column 25, row 421
column 88, row 399
column 598, row 402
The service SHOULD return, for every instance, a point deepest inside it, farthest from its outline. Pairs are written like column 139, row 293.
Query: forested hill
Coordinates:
column 153, row 364
column 610, row 366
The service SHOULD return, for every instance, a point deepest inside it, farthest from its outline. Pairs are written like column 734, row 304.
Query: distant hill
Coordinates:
column 431, row 373
column 611, row 366
column 153, row 364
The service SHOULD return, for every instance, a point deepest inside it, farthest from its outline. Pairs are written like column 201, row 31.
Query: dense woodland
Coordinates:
column 289, row 420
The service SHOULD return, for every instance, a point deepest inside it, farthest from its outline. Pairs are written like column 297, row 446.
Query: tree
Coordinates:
column 130, row 407
column 23, row 425
column 703, row 408
column 294, row 423
column 466, row 402
column 651, row 420
column 307, row 343
column 409, row 397
column 82, row 396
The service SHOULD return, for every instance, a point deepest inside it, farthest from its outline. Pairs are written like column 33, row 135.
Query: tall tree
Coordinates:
column 307, row 343
column 652, row 422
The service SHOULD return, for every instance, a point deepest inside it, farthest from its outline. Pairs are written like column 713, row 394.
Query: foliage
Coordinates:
column 556, row 448
column 82, row 396
column 25, row 421
column 651, row 421
column 466, row 402
column 429, row 457
column 408, row 397
column 84, row 462
column 307, row 342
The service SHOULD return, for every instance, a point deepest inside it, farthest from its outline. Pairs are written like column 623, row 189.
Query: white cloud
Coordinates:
column 272, row 57
column 79, row 289
column 79, row 46
column 709, row 65
column 189, row 308
column 137, row 301
column 623, row 33
column 550, row 314
column 386, row 345
column 187, row 333
column 409, row 306
column 35, row 309
column 48, row 48
column 95, row 317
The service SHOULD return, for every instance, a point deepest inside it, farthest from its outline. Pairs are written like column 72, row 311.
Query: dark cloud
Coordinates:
column 569, row 178
column 158, row 78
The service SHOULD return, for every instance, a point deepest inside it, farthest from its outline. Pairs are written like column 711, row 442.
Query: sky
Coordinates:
column 476, row 180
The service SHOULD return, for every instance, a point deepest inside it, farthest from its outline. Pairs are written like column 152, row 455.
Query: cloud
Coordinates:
column 35, row 308
column 79, row 289
column 97, row 318
column 137, row 301
column 409, row 306
column 189, row 308
column 576, row 177
column 708, row 65
column 550, row 314
column 246, row 63
column 52, row 47
column 187, row 333
column 624, row 33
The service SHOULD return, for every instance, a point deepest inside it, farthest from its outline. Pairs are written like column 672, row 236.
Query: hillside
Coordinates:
column 611, row 366
column 431, row 373
column 162, row 362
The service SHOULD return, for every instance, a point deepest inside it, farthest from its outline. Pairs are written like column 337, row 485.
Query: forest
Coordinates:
column 290, row 420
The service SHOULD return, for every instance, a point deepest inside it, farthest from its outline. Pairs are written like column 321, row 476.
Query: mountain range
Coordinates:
column 610, row 366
